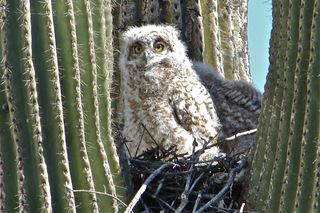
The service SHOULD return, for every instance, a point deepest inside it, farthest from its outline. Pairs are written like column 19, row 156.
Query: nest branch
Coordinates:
column 143, row 188
column 168, row 181
column 226, row 187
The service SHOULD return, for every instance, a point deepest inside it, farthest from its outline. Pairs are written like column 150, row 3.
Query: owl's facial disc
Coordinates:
column 146, row 52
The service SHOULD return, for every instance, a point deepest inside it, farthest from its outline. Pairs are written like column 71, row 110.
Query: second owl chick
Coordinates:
column 164, row 102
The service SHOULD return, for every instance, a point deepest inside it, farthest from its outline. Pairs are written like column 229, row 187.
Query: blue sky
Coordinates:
column 259, row 27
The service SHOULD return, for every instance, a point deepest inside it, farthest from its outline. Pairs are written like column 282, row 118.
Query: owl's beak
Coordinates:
column 146, row 58
column 146, row 55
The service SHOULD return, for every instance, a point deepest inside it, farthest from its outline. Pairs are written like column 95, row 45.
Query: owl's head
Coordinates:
column 146, row 46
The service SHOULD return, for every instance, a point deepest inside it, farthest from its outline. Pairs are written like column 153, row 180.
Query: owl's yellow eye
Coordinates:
column 137, row 48
column 158, row 46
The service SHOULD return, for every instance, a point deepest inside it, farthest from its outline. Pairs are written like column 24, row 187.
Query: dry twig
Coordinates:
column 190, row 185
column 142, row 189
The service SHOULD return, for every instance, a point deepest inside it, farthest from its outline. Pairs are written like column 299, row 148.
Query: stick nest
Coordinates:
column 167, row 182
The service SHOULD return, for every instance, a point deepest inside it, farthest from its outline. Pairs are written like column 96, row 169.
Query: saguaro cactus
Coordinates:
column 214, row 31
column 57, row 59
column 55, row 134
column 285, row 170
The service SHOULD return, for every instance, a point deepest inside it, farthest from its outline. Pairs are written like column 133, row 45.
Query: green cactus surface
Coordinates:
column 285, row 168
column 57, row 150
column 59, row 92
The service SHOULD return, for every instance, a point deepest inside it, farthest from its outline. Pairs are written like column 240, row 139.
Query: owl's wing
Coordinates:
column 237, row 103
column 180, row 112
column 193, row 110
column 240, row 93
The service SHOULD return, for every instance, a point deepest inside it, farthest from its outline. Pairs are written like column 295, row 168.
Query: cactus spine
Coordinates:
column 56, row 74
column 285, row 166
column 58, row 60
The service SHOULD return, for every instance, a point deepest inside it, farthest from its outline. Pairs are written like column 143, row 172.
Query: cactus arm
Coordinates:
column 232, row 22
column 167, row 15
column 104, row 79
column 148, row 12
column 310, row 132
column 239, row 19
column 280, row 168
column 118, row 25
column 226, row 30
column 90, row 93
column 128, row 13
column 56, row 138
column 99, row 163
column 266, row 150
column 11, row 157
column 275, row 109
column 73, row 96
column 192, row 29
column 109, row 44
column 36, row 140
column 312, row 111
column 177, row 13
column 256, row 156
column 2, row 184
column 297, row 113
column 62, row 149
column 54, row 130
column 101, row 59
column 212, row 43
column 12, row 179
column 290, row 183
column 108, row 70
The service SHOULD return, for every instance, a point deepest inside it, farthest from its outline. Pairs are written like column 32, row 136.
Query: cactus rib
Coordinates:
column 6, row 78
column 93, row 60
column 33, row 101
column 279, row 170
column 212, row 42
column 58, row 108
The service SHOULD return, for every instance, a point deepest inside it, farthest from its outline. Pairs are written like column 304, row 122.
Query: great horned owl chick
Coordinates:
column 164, row 101
column 237, row 104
